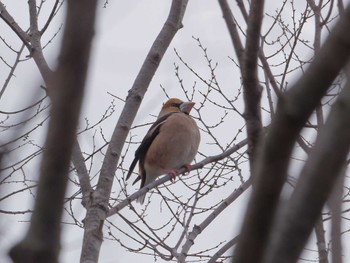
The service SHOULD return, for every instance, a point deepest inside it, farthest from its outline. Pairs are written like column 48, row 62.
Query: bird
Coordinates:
column 170, row 144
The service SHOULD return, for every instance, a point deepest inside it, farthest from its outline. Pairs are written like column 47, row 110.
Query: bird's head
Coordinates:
column 176, row 105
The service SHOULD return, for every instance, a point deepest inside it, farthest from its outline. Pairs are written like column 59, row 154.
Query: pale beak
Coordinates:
column 186, row 107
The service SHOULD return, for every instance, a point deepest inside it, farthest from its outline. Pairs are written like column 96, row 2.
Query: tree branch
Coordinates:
column 248, row 60
column 251, row 87
column 83, row 175
column 314, row 186
column 98, row 209
column 53, row 12
column 42, row 242
column 200, row 165
column 223, row 249
column 36, row 50
column 197, row 229
column 321, row 241
column 335, row 205
column 232, row 29
column 8, row 19
column 293, row 109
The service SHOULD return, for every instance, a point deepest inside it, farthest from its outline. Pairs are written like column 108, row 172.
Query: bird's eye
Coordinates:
column 175, row 104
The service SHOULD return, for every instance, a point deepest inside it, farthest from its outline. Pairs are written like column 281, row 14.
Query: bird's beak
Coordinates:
column 186, row 107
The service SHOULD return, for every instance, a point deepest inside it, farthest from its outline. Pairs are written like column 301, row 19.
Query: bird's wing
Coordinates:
column 144, row 146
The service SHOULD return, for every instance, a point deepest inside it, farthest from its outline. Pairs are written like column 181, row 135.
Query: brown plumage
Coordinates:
column 171, row 143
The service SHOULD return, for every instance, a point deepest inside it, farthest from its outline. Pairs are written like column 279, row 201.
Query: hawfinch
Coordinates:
column 171, row 143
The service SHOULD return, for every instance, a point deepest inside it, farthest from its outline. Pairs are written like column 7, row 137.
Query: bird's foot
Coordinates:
column 173, row 173
column 188, row 168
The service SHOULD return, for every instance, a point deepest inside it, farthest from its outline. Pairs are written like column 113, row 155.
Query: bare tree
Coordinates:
column 271, row 46
column 66, row 89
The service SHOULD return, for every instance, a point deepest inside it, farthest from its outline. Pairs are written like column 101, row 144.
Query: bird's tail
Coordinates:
column 131, row 169
column 141, row 199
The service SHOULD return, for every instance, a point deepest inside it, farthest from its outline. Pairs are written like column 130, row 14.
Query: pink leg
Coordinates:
column 173, row 173
column 188, row 167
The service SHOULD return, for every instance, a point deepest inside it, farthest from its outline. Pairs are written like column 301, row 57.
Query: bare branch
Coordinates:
column 14, row 26
column 97, row 212
column 315, row 185
column 53, row 12
column 321, row 241
column 42, row 242
column 292, row 112
column 223, row 249
column 36, row 50
column 248, row 58
column 13, row 67
column 335, row 205
column 251, row 87
column 168, row 177
column 232, row 29
column 83, row 175
column 197, row 229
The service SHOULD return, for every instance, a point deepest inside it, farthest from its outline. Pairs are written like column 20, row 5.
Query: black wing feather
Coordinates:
column 145, row 144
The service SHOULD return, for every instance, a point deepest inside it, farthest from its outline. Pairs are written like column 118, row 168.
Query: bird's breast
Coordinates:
column 175, row 145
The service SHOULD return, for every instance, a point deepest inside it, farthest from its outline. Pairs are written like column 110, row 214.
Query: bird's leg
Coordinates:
column 188, row 168
column 173, row 173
